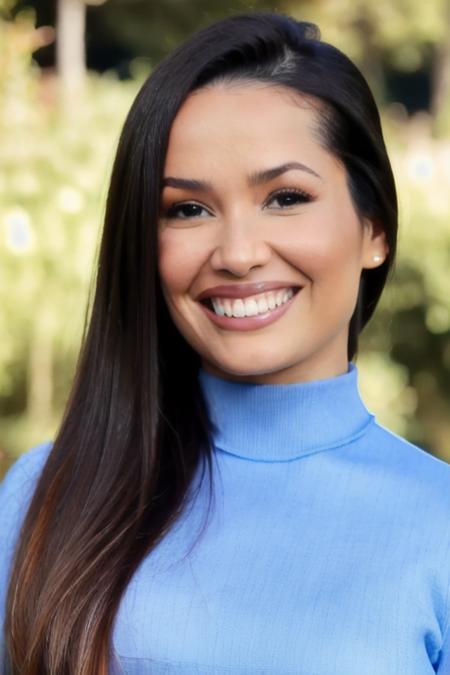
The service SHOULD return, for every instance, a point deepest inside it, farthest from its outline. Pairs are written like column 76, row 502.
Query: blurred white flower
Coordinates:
column 420, row 167
column 70, row 200
column 19, row 231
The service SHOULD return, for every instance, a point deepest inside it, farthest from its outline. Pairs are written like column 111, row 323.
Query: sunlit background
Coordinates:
column 68, row 74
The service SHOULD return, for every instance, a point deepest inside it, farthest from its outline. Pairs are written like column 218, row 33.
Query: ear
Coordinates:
column 374, row 248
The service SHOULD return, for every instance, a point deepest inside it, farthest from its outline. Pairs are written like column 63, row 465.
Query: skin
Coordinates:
column 240, row 233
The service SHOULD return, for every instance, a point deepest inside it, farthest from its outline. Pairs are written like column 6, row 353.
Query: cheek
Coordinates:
column 327, row 247
column 178, row 261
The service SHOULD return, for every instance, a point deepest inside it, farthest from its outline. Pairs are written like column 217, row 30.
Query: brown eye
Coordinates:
column 287, row 198
column 185, row 211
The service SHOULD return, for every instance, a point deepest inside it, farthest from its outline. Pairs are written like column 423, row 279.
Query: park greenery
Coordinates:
column 54, row 172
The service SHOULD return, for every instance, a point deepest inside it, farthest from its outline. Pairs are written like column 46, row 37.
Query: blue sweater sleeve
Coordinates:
column 16, row 491
column 443, row 667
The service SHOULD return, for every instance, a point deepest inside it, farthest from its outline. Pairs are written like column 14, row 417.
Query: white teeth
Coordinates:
column 262, row 305
column 238, row 308
column 251, row 306
column 218, row 308
column 271, row 301
column 227, row 307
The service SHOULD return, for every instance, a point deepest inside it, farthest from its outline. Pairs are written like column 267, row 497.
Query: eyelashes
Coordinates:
column 300, row 195
column 193, row 210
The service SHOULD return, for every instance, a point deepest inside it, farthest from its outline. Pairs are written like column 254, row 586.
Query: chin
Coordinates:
column 249, row 367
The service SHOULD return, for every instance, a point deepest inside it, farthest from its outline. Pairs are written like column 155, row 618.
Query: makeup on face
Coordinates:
column 260, row 247
column 247, row 306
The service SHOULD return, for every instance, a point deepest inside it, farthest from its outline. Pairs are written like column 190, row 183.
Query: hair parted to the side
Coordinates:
column 136, row 428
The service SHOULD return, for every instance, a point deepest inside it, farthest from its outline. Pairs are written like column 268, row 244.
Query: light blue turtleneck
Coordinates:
column 326, row 550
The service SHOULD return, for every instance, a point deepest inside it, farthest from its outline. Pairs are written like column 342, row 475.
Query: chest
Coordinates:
column 281, row 594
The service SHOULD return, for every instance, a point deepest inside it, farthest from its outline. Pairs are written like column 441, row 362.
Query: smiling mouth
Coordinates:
column 254, row 305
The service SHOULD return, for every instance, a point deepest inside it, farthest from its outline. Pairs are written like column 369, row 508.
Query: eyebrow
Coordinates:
column 254, row 179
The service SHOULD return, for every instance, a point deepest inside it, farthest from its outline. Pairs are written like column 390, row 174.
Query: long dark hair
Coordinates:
column 136, row 429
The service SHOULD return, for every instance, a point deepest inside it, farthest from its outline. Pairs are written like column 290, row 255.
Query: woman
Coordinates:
column 250, row 228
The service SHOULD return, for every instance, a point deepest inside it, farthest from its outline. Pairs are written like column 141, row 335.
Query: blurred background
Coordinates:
column 69, row 70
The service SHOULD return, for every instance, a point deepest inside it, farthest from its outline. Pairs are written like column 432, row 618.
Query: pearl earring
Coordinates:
column 377, row 257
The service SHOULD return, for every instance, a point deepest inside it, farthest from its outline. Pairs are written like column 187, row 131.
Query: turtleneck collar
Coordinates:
column 281, row 422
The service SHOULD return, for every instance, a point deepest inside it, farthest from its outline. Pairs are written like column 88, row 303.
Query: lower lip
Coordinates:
column 248, row 322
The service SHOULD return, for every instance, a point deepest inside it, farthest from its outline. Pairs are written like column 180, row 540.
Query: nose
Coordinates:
column 239, row 248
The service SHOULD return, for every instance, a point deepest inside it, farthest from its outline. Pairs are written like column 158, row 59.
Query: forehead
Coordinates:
column 257, row 121
column 236, row 105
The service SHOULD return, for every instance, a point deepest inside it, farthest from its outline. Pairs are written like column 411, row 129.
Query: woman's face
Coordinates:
column 256, row 219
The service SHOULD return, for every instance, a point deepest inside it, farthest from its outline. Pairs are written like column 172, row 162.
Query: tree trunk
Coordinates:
column 40, row 369
column 440, row 95
column 70, row 47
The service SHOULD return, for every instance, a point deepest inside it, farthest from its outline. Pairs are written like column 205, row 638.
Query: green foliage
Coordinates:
column 53, row 179
column 152, row 29
column 54, row 174
column 403, row 36
column 412, row 323
column 401, row 31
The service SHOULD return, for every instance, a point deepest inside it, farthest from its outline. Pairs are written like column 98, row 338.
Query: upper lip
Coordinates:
column 243, row 290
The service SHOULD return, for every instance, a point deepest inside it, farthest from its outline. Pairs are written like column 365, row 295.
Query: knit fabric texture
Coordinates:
column 325, row 551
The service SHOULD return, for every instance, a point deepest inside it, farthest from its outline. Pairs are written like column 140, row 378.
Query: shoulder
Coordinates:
column 411, row 468
column 405, row 453
column 16, row 491
column 25, row 469
column 18, row 485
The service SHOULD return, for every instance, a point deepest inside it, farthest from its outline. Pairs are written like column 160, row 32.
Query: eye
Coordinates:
column 290, row 197
column 185, row 211
column 286, row 197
